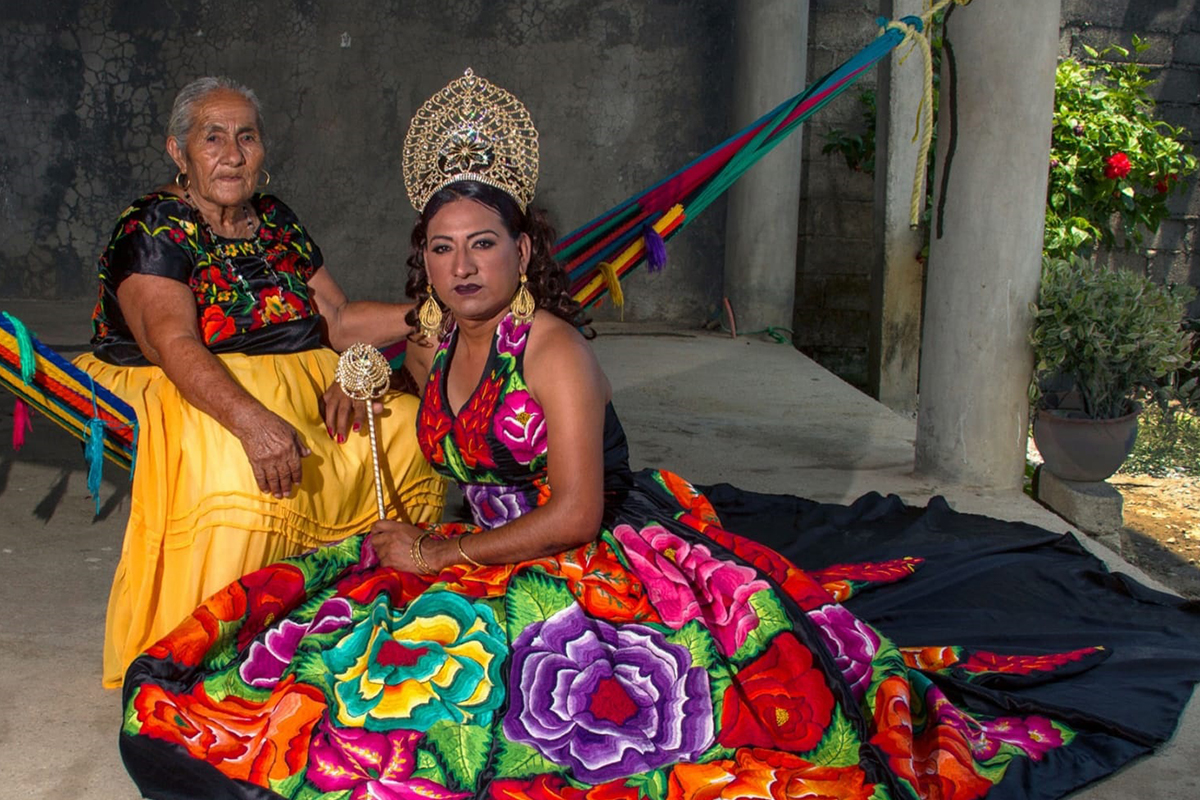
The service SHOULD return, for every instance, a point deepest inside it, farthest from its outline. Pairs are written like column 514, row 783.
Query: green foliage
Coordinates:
column 1167, row 444
column 1112, row 332
column 1112, row 164
column 858, row 149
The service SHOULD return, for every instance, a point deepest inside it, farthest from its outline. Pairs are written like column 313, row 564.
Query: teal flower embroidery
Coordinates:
column 440, row 660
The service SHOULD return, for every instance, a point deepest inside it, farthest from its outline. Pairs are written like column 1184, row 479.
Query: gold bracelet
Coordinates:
column 417, row 558
column 463, row 553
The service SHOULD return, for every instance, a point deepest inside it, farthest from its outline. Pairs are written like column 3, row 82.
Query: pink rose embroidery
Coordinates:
column 521, row 426
column 685, row 582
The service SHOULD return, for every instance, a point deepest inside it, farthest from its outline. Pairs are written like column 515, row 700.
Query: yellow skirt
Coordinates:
column 197, row 519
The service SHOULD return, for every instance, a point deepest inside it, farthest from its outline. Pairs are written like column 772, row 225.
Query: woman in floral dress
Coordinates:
column 600, row 633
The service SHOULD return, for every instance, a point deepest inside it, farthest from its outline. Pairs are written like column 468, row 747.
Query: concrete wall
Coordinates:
column 622, row 93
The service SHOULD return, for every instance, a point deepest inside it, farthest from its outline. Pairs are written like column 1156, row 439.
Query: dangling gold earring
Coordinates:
column 522, row 305
column 267, row 181
column 182, row 180
column 430, row 316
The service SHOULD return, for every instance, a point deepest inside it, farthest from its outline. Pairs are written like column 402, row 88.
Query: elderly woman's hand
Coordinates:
column 393, row 543
column 274, row 449
column 340, row 410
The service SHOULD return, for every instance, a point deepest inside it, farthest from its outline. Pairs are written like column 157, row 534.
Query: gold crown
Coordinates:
column 472, row 130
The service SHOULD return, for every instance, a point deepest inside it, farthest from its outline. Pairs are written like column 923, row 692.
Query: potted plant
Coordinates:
column 1103, row 339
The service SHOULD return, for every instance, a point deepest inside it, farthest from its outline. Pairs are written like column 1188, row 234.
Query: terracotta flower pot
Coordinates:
column 1079, row 448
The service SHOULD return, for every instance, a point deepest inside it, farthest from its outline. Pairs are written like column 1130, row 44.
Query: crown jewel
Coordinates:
column 471, row 130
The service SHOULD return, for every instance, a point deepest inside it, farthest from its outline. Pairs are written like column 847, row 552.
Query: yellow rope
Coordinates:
column 924, row 129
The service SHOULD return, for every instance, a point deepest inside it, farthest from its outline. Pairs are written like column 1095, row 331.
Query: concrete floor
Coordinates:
column 711, row 408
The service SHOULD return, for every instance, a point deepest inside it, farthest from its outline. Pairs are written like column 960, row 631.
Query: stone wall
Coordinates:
column 622, row 93
column 835, row 249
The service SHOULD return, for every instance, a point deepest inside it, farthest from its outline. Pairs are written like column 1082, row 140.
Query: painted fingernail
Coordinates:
column 341, row 439
column 330, row 430
column 357, row 425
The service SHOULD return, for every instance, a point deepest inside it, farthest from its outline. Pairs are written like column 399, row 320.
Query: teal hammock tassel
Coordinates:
column 93, row 450
column 24, row 347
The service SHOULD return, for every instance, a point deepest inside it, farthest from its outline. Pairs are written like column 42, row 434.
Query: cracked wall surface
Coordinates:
column 622, row 93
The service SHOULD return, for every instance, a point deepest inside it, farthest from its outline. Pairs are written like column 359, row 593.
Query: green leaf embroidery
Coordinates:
column 428, row 768
column 533, row 596
column 462, row 748
column 516, row 760
column 771, row 620
column 698, row 641
column 839, row 746
column 650, row 785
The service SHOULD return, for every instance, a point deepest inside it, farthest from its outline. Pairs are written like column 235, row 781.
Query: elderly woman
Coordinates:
column 218, row 321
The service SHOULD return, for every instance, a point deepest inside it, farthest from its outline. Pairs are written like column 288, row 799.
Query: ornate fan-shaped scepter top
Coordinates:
column 364, row 374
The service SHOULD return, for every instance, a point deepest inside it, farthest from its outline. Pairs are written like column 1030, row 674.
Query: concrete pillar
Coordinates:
column 994, row 125
column 897, row 275
column 763, row 216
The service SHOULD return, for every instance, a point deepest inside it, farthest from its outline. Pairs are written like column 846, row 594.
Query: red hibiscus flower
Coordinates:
column 131, row 225
column 286, row 263
column 213, row 276
column 276, row 305
column 433, row 423
column 985, row 661
column 1117, row 166
column 177, row 235
column 474, row 422
column 248, row 741
column 215, row 326
column 937, row 762
column 195, row 636
column 777, row 701
column 271, row 592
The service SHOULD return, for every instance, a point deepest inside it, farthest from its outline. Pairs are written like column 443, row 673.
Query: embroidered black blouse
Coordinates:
column 252, row 295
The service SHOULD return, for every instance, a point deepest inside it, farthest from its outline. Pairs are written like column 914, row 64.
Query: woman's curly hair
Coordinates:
column 548, row 281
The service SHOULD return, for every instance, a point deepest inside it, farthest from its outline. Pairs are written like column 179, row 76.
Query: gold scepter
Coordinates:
column 364, row 374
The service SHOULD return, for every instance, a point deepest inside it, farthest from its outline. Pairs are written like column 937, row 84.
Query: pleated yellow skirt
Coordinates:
column 197, row 519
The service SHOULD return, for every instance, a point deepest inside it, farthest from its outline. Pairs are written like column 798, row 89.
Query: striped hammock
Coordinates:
column 596, row 257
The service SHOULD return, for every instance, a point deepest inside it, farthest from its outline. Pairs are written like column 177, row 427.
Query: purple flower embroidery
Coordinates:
column 685, row 582
column 852, row 642
column 510, row 336
column 521, row 426
column 267, row 659
column 492, row 506
column 373, row 766
column 606, row 701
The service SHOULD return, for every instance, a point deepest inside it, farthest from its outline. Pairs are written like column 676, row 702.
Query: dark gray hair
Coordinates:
column 182, row 111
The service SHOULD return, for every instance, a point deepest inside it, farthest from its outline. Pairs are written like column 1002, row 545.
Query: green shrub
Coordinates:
column 1113, row 333
column 1112, row 164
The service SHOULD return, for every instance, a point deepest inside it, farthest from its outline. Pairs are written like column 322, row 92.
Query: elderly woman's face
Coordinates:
column 224, row 151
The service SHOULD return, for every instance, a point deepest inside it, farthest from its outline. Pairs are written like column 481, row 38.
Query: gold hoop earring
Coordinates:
column 430, row 316
column 522, row 305
column 267, row 181
column 182, row 180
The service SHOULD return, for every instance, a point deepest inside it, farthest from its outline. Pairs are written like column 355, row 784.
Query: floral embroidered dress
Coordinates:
column 668, row 658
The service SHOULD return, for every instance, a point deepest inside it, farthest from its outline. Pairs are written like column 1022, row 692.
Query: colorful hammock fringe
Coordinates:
column 44, row 380
column 616, row 241
column 596, row 256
